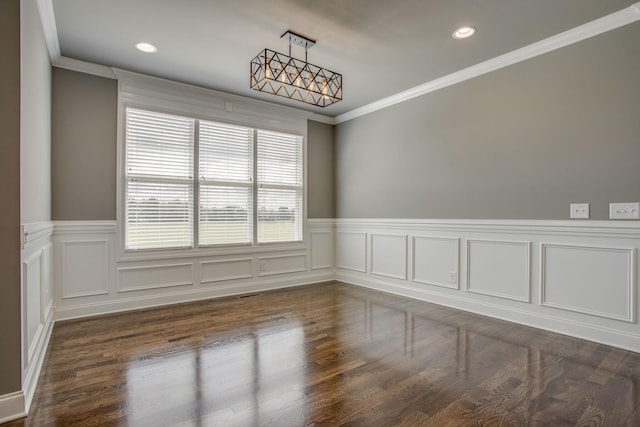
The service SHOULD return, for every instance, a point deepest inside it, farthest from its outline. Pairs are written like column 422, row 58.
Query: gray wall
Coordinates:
column 35, row 111
column 84, row 125
column 521, row 142
column 10, row 191
column 320, row 171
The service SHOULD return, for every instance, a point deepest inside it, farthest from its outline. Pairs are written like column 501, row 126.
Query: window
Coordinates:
column 279, row 187
column 180, row 168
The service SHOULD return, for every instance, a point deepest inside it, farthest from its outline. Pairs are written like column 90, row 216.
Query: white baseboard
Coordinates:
column 12, row 407
column 577, row 278
column 168, row 298
column 559, row 325
column 32, row 375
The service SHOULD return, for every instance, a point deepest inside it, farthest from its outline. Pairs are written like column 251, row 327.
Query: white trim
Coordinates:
column 372, row 268
column 468, row 287
column 35, row 231
column 83, row 227
column 366, row 250
column 12, row 406
column 181, row 296
column 625, row 230
column 49, row 28
column 243, row 110
column 225, row 278
column 314, row 233
column 122, row 270
column 529, row 235
column 631, row 298
column 84, row 67
column 36, row 360
column 586, row 331
column 574, row 35
column 262, row 273
column 64, row 244
column 456, row 285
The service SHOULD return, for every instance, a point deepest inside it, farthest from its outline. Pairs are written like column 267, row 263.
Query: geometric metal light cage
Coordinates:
column 282, row 75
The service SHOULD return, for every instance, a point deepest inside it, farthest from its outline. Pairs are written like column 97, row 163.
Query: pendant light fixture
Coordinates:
column 282, row 75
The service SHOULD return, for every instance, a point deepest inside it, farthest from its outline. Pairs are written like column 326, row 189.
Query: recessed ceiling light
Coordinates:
column 146, row 47
column 464, row 32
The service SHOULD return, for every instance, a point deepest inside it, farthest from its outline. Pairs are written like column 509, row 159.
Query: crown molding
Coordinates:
column 49, row 28
column 606, row 23
column 574, row 35
column 84, row 67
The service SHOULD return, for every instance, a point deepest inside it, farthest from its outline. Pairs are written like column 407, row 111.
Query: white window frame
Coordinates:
column 202, row 104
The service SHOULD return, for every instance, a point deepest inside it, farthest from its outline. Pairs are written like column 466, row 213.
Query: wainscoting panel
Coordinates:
column 598, row 281
column 85, row 268
column 321, row 249
column 584, row 272
column 436, row 261
column 352, row 251
column 389, row 255
column 46, row 281
column 37, row 303
column 155, row 276
column 228, row 269
column 499, row 269
column 94, row 276
column 281, row 264
column 32, row 295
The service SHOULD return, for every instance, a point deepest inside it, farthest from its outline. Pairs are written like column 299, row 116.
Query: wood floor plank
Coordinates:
column 326, row 355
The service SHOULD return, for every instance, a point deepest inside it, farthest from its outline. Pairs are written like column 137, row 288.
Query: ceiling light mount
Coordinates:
column 298, row 39
column 146, row 47
column 464, row 32
column 279, row 74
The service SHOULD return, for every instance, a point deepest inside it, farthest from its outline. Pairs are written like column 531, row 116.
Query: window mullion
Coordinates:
column 255, row 187
column 196, row 184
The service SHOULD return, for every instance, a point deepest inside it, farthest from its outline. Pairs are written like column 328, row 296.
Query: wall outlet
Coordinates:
column 624, row 210
column 263, row 265
column 579, row 211
column 453, row 277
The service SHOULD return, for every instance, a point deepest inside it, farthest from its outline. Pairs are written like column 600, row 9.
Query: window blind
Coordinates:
column 249, row 186
column 279, row 175
column 226, row 184
column 159, row 174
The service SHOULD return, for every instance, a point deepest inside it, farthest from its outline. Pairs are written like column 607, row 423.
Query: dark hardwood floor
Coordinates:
column 329, row 355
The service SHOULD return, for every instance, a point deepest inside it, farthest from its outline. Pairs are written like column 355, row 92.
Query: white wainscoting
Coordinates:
column 281, row 264
column 598, row 281
column 389, row 255
column 352, row 251
column 573, row 277
column 90, row 279
column 321, row 249
column 227, row 269
column 37, row 312
column 85, row 267
column 436, row 261
column 155, row 276
column 499, row 268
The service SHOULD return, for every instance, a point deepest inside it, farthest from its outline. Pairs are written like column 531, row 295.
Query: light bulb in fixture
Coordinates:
column 146, row 47
column 464, row 32
column 324, row 88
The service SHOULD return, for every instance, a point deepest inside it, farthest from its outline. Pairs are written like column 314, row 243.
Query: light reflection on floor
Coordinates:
column 243, row 382
column 328, row 355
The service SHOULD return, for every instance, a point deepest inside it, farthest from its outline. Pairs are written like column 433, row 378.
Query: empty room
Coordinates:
column 336, row 213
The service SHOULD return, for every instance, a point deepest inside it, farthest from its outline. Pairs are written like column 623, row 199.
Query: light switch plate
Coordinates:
column 624, row 210
column 579, row 211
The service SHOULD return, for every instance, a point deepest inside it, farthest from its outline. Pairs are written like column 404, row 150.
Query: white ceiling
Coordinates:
column 380, row 47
